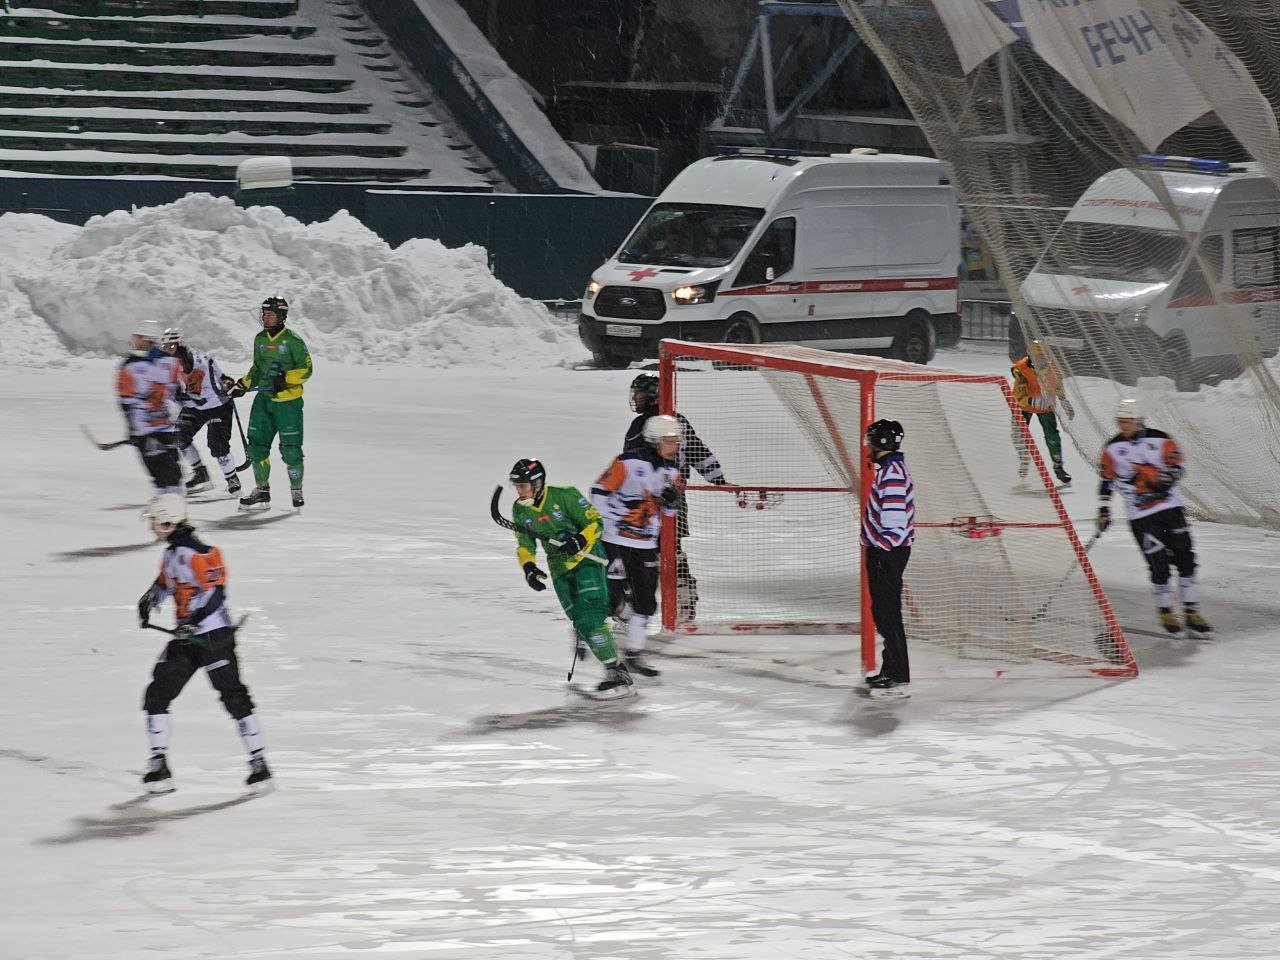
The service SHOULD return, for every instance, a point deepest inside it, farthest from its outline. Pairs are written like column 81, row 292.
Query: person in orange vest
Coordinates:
column 1037, row 388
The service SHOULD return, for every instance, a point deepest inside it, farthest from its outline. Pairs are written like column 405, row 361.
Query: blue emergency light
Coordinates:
column 1187, row 164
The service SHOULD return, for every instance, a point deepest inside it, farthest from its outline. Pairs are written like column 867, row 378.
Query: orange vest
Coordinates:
column 1027, row 387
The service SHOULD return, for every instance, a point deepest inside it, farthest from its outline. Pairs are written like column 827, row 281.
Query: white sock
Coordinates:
column 158, row 729
column 251, row 733
column 228, row 466
column 192, row 456
column 1190, row 593
column 1163, row 594
column 637, row 633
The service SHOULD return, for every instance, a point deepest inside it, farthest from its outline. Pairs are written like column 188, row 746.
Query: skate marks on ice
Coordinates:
column 92, row 553
column 137, row 816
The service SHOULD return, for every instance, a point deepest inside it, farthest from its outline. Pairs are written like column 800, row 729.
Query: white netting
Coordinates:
column 1144, row 280
column 994, row 576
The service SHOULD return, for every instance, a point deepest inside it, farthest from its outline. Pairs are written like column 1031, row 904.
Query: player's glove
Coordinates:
column 278, row 384
column 571, row 545
column 1104, row 518
column 534, row 577
column 145, row 605
column 1067, row 408
column 670, row 497
column 234, row 388
column 184, row 631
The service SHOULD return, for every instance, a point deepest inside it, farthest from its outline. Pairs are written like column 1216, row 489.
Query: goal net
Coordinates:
column 998, row 582
column 1155, row 277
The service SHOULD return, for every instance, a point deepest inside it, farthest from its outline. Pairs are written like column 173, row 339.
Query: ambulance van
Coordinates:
column 1122, row 291
column 855, row 252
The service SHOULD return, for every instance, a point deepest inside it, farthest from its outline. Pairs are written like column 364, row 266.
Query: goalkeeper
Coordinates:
column 563, row 515
column 1037, row 387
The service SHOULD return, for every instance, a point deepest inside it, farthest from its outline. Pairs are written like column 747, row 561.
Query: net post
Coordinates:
column 866, row 623
column 667, row 539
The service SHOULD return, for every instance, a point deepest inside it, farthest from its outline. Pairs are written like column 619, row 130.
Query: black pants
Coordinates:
column 215, row 652
column 633, row 570
column 159, row 455
column 192, row 419
column 1165, row 539
column 884, row 578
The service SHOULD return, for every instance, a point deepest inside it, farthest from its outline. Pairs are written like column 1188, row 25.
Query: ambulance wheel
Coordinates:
column 916, row 342
column 1176, row 355
column 611, row 361
column 741, row 329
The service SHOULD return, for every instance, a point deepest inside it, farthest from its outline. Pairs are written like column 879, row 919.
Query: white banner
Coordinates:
column 1143, row 61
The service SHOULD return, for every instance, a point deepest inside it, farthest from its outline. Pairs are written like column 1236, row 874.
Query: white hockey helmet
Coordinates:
column 168, row 508
column 147, row 328
column 1129, row 409
column 662, row 427
column 172, row 335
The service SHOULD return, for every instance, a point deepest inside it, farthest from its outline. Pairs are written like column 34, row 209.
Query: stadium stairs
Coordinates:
column 190, row 88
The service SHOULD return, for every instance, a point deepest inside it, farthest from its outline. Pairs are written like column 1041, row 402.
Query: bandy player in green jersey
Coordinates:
column 569, row 529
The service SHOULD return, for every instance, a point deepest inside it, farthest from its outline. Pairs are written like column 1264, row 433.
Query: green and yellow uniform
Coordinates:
column 581, row 585
column 280, row 360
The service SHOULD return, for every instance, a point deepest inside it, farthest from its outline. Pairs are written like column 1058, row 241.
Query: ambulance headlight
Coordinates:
column 593, row 288
column 701, row 293
column 1132, row 316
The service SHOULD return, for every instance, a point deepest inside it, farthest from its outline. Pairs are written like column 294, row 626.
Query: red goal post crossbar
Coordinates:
column 818, row 364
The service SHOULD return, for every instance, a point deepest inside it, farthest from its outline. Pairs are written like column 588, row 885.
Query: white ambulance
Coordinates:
column 1121, row 291
column 856, row 252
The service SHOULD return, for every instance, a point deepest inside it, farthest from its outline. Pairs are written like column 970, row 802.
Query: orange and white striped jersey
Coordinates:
column 1145, row 470
column 192, row 572
column 147, row 386
column 628, row 496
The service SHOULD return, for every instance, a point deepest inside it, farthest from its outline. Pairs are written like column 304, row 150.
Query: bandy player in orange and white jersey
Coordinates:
column 632, row 495
column 147, row 384
column 1145, row 466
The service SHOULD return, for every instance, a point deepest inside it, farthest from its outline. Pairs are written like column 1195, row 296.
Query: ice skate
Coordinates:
column 636, row 663
column 616, row 683
column 1169, row 620
column 1060, row 472
column 158, row 779
column 1197, row 625
column 259, row 780
column 199, row 481
column 259, row 498
column 233, row 483
column 879, row 686
column 296, row 496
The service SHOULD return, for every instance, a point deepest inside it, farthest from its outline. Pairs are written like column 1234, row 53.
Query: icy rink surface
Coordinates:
column 440, row 795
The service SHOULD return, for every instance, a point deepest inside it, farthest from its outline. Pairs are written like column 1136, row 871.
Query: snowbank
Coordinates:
column 203, row 264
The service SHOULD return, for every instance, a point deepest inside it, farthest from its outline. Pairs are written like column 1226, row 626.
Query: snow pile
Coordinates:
column 203, row 264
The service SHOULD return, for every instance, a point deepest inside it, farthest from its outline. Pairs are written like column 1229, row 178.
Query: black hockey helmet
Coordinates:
column 885, row 435
column 531, row 472
column 278, row 305
column 646, row 384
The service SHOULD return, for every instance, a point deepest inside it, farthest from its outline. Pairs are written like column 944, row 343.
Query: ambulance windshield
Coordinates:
column 690, row 235
column 1108, row 251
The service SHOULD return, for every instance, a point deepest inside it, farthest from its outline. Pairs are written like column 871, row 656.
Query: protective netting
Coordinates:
column 1150, row 279
column 996, row 577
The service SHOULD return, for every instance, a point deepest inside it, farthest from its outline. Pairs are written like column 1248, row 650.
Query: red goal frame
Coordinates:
column 868, row 377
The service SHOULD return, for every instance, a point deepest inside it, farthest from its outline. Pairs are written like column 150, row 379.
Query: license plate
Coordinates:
column 621, row 330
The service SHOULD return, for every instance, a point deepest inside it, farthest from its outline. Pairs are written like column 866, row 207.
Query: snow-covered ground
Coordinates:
column 440, row 795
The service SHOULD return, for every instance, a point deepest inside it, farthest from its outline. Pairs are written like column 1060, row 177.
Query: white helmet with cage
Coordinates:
column 662, row 427
column 1130, row 408
column 168, row 508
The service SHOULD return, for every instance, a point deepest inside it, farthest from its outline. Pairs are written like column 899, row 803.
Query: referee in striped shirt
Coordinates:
column 888, row 530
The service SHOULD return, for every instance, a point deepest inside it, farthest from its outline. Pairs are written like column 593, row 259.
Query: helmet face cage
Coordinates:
column 171, row 338
column 646, row 384
column 531, row 472
column 885, row 435
column 278, row 306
